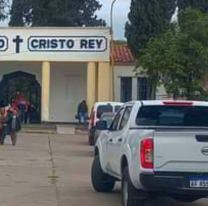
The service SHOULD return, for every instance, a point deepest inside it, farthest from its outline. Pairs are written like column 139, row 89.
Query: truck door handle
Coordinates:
column 110, row 140
column 202, row 138
column 120, row 139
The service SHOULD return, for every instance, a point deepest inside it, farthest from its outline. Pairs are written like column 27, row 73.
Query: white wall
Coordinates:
column 124, row 71
column 68, row 88
column 68, row 85
column 128, row 71
column 28, row 67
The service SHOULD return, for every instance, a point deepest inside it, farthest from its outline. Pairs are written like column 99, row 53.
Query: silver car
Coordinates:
column 107, row 117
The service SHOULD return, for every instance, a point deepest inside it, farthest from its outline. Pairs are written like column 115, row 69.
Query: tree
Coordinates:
column 179, row 58
column 147, row 19
column 55, row 13
column 202, row 5
column 4, row 6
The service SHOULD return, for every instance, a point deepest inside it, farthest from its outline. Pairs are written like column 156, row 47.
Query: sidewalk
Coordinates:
column 49, row 170
column 70, row 129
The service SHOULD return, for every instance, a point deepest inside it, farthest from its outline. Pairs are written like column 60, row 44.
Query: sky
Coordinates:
column 121, row 10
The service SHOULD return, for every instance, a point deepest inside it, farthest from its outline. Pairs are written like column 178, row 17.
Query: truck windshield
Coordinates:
column 194, row 116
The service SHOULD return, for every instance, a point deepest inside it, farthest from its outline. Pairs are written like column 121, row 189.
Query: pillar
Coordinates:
column 104, row 82
column 134, row 89
column 91, row 85
column 45, row 91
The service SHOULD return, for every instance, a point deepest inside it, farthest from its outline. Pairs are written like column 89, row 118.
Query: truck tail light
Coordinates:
column 147, row 153
column 92, row 119
column 177, row 103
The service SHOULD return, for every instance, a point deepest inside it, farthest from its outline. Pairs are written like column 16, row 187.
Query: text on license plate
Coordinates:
column 199, row 183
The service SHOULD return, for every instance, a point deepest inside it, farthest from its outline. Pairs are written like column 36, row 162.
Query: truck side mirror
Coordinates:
column 102, row 125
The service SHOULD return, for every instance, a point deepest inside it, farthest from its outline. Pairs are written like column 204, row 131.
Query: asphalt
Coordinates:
column 54, row 170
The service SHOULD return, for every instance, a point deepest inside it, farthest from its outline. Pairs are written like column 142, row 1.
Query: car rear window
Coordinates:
column 189, row 116
column 103, row 109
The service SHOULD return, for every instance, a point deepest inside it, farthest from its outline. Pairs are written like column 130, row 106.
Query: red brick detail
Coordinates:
column 122, row 54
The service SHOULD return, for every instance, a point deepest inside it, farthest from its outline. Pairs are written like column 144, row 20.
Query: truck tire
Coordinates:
column 101, row 182
column 130, row 195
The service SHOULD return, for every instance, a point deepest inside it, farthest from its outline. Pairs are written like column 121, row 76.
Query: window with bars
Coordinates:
column 142, row 88
column 126, row 89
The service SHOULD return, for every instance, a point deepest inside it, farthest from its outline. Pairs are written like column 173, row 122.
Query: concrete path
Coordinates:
column 54, row 170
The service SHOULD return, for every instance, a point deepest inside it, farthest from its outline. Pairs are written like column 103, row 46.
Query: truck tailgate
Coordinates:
column 181, row 151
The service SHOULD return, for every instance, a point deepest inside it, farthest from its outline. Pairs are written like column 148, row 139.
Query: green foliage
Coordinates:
column 55, row 13
column 201, row 5
column 178, row 59
column 4, row 7
column 147, row 19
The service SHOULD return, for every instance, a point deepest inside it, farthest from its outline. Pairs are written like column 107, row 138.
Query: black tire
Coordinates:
column 91, row 137
column 130, row 195
column 101, row 182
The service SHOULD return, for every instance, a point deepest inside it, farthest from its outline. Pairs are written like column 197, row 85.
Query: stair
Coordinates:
column 39, row 128
column 48, row 128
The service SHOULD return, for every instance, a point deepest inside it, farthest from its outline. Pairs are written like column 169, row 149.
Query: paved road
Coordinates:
column 54, row 170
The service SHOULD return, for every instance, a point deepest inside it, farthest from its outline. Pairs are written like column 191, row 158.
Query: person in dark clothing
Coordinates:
column 82, row 112
column 3, row 124
column 14, row 125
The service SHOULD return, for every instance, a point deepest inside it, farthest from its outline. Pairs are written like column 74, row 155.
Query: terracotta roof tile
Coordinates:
column 122, row 54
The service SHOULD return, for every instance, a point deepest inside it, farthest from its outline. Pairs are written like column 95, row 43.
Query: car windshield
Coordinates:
column 194, row 116
column 104, row 109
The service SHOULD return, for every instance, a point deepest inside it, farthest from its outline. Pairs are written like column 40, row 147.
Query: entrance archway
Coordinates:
column 28, row 85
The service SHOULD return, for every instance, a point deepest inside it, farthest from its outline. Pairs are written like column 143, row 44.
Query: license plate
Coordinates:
column 199, row 182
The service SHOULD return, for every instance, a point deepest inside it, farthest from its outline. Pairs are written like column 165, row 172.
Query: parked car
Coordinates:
column 108, row 118
column 154, row 148
column 98, row 109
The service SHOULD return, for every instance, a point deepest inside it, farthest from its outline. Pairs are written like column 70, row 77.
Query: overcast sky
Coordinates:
column 121, row 10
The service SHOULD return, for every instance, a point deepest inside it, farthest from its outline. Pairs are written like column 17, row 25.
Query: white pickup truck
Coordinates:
column 155, row 148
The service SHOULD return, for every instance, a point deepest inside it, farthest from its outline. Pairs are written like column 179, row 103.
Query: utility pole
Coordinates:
column 112, row 49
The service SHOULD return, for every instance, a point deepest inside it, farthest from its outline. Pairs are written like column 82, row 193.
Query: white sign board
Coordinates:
column 55, row 44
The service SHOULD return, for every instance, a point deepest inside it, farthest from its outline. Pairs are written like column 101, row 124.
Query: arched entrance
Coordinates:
column 28, row 85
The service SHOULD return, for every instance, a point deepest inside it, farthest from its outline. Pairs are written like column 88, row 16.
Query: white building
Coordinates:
column 128, row 86
column 56, row 68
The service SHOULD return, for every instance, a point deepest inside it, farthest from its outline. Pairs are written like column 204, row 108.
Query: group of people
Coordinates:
column 21, row 105
column 9, row 123
column 13, row 116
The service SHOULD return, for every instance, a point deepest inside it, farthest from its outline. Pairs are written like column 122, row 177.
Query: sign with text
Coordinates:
column 55, row 44
column 67, row 44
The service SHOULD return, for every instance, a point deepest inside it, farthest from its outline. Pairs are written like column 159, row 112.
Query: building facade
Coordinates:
column 56, row 68
column 128, row 85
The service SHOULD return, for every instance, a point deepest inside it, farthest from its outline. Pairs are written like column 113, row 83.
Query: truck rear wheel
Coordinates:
column 101, row 181
column 130, row 195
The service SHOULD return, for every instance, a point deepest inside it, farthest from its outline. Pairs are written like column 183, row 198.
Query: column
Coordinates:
column 134, row 89
column 45, row 91
column 104, row 82
column 91, row 85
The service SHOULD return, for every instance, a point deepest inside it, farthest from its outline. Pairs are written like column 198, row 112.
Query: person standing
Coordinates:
column 22, row 108
column 3, row 124
column 82, row 112
column 14, row 124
